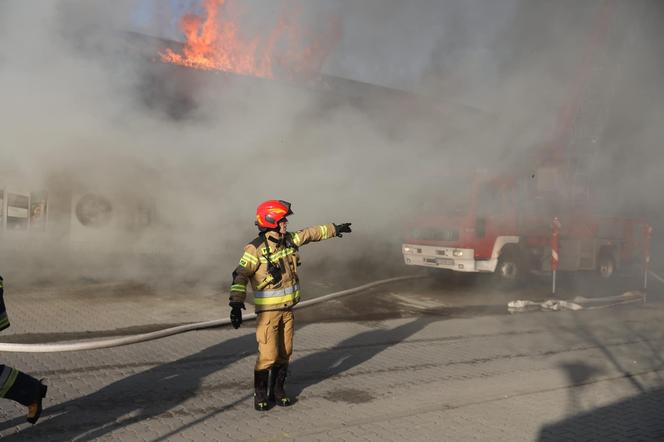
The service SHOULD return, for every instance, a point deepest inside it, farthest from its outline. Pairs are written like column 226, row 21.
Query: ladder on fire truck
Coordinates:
column 582, row 121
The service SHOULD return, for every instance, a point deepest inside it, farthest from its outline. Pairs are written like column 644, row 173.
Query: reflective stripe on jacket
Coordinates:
column 271, row 294
column 275, row 297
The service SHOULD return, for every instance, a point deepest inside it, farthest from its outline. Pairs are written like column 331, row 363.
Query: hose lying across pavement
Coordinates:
column 126, row 340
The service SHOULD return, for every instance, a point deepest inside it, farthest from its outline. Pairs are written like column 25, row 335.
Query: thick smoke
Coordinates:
column 87, row 109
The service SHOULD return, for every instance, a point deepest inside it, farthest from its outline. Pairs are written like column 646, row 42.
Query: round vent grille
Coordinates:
column 94, row 210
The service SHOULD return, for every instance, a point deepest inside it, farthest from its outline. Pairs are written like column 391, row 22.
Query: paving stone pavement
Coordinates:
column 590, row 375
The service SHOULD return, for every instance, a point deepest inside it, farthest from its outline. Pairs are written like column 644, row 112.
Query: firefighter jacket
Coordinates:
column 275, row 285
column 4, row 319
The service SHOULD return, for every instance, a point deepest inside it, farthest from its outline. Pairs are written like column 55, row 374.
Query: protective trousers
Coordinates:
column 274, row 333
column 18, row 386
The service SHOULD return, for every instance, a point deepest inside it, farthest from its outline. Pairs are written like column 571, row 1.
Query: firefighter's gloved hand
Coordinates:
column 236, row 313
column 342, row 228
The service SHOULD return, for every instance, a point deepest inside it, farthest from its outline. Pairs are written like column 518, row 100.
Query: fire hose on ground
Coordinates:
column 144, row 337
column 57, row 347
column 581, row 303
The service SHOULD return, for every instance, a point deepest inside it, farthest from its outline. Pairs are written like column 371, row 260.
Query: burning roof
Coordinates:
column 216, row 40
column 222, row 46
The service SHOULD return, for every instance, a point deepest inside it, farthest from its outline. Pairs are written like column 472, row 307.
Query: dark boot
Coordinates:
column 277, row 380
column 35, row 409
column 28, row 391
column 260, row 390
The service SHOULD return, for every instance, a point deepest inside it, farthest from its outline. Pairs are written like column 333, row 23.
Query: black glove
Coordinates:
column 236, row 313
column 342, row 228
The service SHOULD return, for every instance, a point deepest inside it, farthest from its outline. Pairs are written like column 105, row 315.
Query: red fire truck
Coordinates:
column 506, row 228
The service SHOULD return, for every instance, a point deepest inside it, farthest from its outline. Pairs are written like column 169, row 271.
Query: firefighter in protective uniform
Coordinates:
column 15, row 384
column 270, row 263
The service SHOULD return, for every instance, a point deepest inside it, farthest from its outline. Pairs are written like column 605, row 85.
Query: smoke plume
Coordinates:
column 414, row 99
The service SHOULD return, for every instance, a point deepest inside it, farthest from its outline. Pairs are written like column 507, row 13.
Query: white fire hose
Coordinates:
column 126, row 340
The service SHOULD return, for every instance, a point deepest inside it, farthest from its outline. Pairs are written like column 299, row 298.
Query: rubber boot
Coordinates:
column 260, row 390
column 35, row 409
column 28, row 391
column 277, row 380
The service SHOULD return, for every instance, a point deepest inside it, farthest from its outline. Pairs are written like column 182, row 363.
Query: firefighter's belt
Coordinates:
column 268, row 297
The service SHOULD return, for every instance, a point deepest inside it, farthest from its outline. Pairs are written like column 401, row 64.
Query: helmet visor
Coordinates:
column 288, row 206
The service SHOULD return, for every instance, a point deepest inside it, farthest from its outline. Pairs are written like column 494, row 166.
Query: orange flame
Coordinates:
column 215, row 42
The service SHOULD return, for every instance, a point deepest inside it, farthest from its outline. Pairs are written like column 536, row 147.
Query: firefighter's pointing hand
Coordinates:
column 342, row 228
column 236, row 313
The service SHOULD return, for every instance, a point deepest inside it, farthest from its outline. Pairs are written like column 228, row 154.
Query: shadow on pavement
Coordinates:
column 162, row 389
column 639, row 418
column 622, row 343
column 138, row 397
column 349, row 353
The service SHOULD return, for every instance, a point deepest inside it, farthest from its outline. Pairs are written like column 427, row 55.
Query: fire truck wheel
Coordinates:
column 606, row 265
column 510, row 270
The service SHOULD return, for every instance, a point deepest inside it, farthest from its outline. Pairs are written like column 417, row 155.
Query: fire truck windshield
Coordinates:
column 433, row 233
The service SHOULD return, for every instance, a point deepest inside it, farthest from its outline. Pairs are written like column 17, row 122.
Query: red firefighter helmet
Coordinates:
column 269, row 213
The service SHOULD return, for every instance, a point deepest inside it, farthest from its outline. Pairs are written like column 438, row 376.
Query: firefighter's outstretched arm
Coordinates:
column 319, row 233
column 241, row 276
